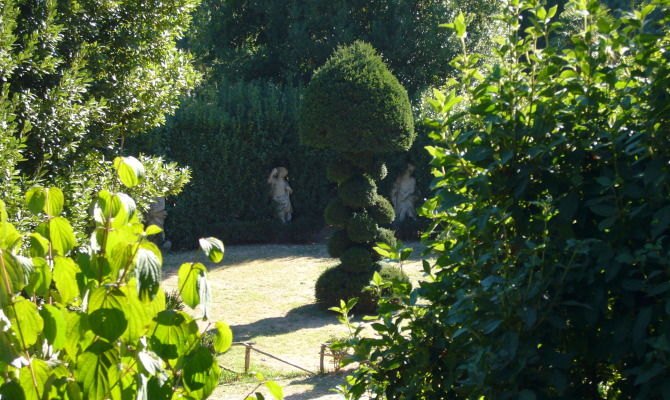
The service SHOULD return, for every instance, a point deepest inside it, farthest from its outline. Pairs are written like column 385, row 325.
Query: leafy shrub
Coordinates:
column 336, row 213
column 355, row 106
column 91, row 321
column 237, row 133
column 551, row 222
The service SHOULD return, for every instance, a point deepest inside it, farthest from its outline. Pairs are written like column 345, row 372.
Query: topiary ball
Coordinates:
column 354, row 103
column 381, row 211
column 377, row 170
column 386, row 236
column 337, row 284
column 336, row 213
column 361, row 228
column 338, row 243
column 358, row 192
column 339, row 170
column 357, row 259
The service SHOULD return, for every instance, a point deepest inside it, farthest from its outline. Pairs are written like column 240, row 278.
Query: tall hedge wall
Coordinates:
column 232, row 134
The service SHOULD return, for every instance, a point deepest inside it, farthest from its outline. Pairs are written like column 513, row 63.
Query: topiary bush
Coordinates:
column 355, row 106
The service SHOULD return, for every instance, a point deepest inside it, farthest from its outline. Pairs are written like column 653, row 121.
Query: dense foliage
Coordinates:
column 89, row 321
column 232, row 135
column 355, row 106
column 551, row 222
column 76, row 78
column 286, row 41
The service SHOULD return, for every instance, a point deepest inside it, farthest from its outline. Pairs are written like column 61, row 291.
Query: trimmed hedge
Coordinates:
column 232, row 134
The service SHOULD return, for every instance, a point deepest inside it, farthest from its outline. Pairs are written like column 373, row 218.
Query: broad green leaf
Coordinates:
column 55, row 327
column 459, row 25
column 12, row 390
column 97, row 370
column 12, row 277
column 127, row 205
column 26, row 321
column 36, row 199
column 34, row 389
column 121, row 257
column 108, row 323
column 54, row 202
column 201, row 372
column 130, row 170
column 39, row 245
column 9, row 236
column 188, row 282
column 59, row 232
column 148, row 273
column 39, row 280
column 173, row 333
column 205, row 295
column 223, row 337
column 377, row 279
column 153, row 230
column 213, row 248
column 275, row 390
column 65, row 276
column 78, row 336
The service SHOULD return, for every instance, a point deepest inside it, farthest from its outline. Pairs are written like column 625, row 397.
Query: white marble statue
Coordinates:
column 156, row 216
column 402, row 195
column 281, row 191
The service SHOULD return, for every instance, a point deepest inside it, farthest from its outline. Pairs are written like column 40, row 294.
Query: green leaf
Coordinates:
column 39, row 280
column 59, row 232
column 377, row 279
column 34, row 390
column 108, row 323
column 173, row 332
column 275, row 390
column 12, row 390
column 65, row 276
column 148, row 273
column 130, row 170
column 97, row 370
column 201, row 372
column 9, row 236
column 223, row 337
column 26, row 321
column 205, row 295
column 188, row 282
column 54, row 202
column 39, row 245
column 459, row 25
column 36, row 199
column 153, row 230
column 55, row 326
column 213, row 248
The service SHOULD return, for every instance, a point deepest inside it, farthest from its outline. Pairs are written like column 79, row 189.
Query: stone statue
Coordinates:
column 402, row 195
column 281, row 191
column 156, row 216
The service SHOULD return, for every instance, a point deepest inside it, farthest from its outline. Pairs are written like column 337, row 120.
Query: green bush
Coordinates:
column 355, row 106
column 361, row 228
column 338, row 242
column 356, row 258
column 551, row 215
column 351, row 99
column 237, row 133
column 337, row 284
column 339, row 170
column 381, row 211
column 336, row 213
column 91, row 320
column 357, row 192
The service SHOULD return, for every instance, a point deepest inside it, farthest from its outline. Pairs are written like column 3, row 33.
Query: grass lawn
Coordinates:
column 266, row 294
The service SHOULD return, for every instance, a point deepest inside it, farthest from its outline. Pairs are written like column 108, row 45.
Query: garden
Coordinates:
column 413, row 199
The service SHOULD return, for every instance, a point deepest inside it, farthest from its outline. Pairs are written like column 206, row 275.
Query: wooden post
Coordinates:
column 247, row 357
column 322, row 369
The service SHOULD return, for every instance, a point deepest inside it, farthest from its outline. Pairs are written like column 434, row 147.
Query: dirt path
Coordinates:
column 266, row 295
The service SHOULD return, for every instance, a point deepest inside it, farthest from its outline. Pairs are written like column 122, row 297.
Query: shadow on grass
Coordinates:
column 304, row 317
column 321, row 385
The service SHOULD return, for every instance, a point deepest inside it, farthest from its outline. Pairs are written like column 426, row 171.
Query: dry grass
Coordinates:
column 266, row 294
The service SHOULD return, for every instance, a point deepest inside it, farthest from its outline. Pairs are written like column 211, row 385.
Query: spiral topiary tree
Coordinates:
column 355, row 106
